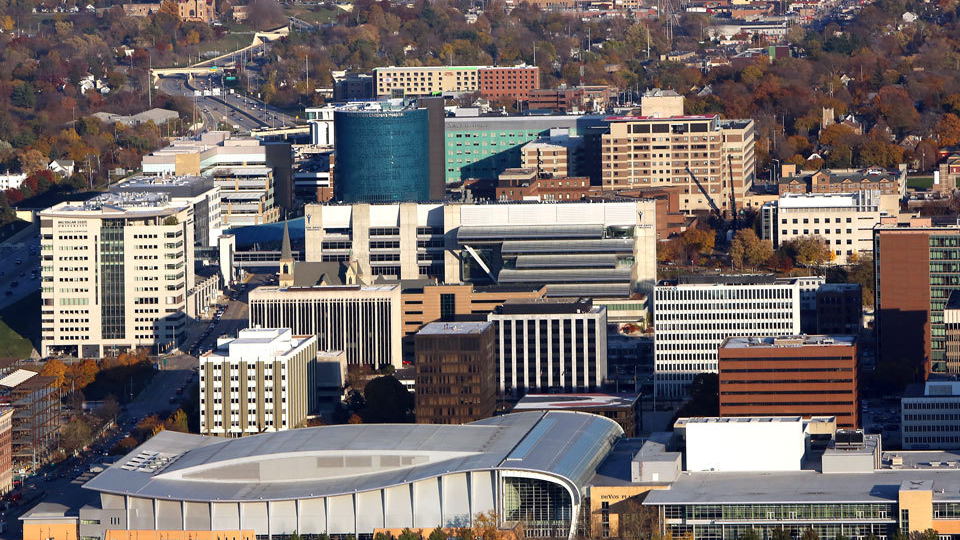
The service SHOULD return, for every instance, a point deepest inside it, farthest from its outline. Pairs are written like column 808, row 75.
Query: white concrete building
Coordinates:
column 12, row 180
column 930, row 416
column 605, row 249
column 198, row 192
column 363, row 321
column 693, row 315
column 116, row 270
column 755, row 443
column 550, row 345
column 844, row 220
column 261, row 381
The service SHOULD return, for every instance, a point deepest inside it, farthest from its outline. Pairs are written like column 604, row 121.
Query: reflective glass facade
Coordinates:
column 543, row 508
column 382, row 156
column 112, row 273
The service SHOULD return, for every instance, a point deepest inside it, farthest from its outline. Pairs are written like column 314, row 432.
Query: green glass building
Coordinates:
column 485, row 146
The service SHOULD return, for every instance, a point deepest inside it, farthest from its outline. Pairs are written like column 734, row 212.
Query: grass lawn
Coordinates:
column 20, row 327
column 316, row 15
column 920, row 182
column 227, row 43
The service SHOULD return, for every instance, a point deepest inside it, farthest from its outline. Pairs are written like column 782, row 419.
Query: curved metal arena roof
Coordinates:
column 335, row 460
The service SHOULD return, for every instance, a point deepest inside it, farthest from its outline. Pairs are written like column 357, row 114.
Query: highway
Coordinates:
column 245, row 112
column 19, row 269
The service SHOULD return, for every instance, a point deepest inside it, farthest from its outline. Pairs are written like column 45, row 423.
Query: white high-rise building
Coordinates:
column 261, row 381
column 693, row 315
column 116, row 274
column 596, row 250
column 550, row 345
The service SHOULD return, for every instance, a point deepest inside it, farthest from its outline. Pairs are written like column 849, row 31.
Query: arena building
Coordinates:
column 532, row 469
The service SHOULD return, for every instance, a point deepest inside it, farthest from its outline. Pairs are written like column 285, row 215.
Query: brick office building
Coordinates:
column 456, row 376
column 508, row 82
column 790, row 376
column 916, row 269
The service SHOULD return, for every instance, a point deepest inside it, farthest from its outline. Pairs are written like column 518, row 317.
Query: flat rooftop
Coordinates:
column 802, row 340
column 541, row 402
column 723, row 279
column 451, row 328
column 536, row 306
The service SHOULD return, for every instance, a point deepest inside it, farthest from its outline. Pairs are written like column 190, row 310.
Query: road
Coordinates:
column 19, row 269
column 234, row 109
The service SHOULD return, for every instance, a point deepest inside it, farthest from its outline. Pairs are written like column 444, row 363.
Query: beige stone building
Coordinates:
column 844, row 220
column 425, row 80
column 261, row 381
column 710, row 159
column 547, row 159
column 116, row 270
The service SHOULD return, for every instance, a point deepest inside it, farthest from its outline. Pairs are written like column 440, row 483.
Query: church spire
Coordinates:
column 285, row 279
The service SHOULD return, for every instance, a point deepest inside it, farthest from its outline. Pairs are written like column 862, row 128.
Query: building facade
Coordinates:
column 382, row 155
column 839, row 309
column 116, row 270
column 259, row 382
column 693, row 315
column 711, row 159
column 930, row 415
column 550, row 346
column 508, row 83
column 887, row 182
column 790, row 375
column 845, row 221
column 624, row 409
column 433, row 302
column 525, row 185
column 456, row 372
column 35, row 423
column 199, row 192
column 6, row 450
column 363, row 321
column 916, row 270
column 577, row 249
column 345, row 480
column 484, row 146
column 239, row 164
column 491, row 82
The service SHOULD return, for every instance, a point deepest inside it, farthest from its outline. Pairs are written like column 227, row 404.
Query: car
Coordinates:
column 19, row 261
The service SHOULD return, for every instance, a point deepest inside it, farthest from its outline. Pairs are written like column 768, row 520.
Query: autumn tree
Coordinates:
column 747, row 247
column 948, row 130
column 56, row 369
column 699, row 240
column 75, row 434
column 808, row 250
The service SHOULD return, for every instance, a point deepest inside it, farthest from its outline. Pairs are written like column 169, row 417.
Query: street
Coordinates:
column 19, row 269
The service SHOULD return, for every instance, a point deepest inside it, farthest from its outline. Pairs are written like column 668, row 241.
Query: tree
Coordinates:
column 109, row 409
column 437, row 534
column 948, row 130
column 638, row 522
column 75, row 435
column 929, row 534
column 780, row 534
column 387, row 402
column 750, row 534
column 177, row 422
column 32, row 161
column 747, row 247
column 810, row 534
column 808, row 250
column 407, row 534
column 265, row 14
column 383, row 536
column 24, row 96
column 56, row 369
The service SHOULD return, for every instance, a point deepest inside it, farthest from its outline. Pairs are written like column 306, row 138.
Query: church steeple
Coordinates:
column 285, row 278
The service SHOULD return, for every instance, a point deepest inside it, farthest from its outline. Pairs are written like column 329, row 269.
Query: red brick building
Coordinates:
column 525, row 185
column 508, row 82
column 790, row 376
column 6, row 449
column 559, row 100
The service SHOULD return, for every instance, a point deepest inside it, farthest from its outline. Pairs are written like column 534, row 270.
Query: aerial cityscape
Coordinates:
column 480, row 270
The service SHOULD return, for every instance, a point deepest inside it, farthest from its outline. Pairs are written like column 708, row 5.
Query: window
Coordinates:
column 448, row 307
